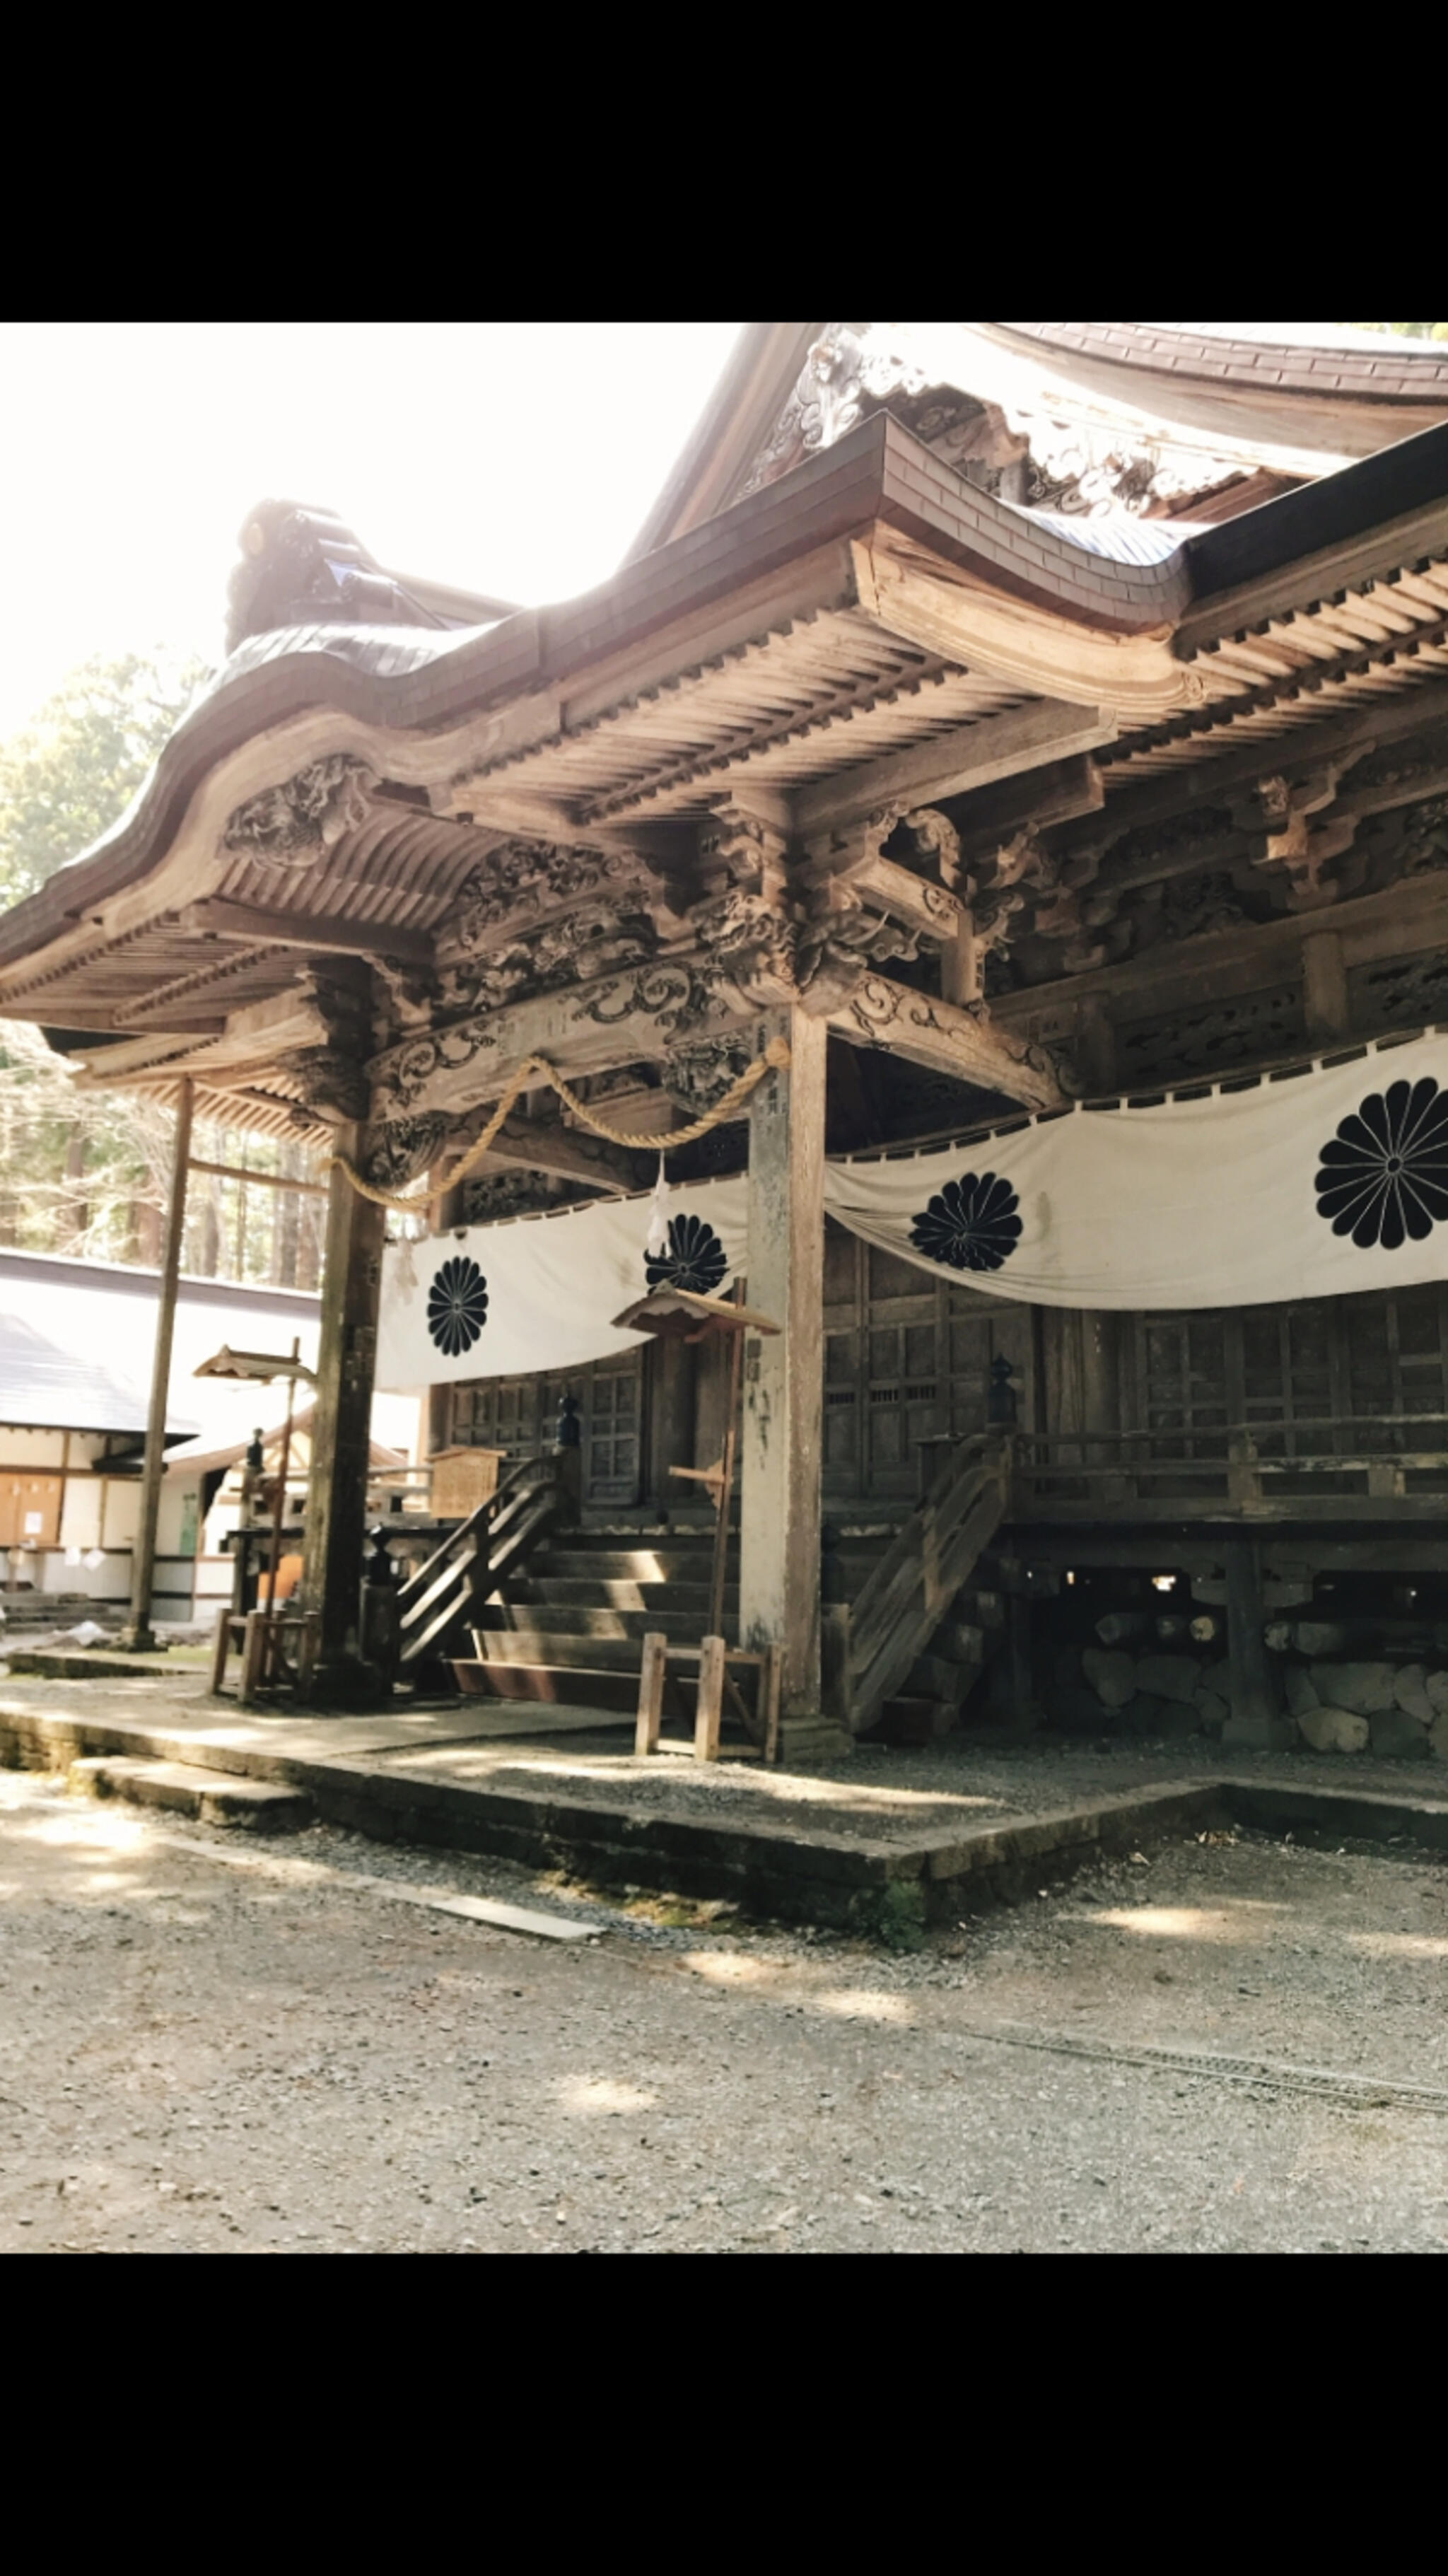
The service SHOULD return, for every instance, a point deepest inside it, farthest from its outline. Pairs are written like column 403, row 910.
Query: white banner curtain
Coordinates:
column 541, row 1292
column 1313, row 1185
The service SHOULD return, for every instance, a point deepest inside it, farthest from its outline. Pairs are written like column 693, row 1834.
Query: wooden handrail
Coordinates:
column 446, row 1547
column 910, row 1589
column 471, row 1558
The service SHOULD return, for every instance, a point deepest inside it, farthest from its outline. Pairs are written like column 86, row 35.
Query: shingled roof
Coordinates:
column 43, row 1388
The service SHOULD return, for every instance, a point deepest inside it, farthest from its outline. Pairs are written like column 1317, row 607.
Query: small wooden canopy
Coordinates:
column 681, row 1313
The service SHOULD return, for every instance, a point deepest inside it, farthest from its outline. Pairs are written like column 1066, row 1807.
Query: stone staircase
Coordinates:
column 28, row 1611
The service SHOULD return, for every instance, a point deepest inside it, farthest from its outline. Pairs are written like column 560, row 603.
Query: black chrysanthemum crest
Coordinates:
column 972, row 1224
column 457, row 1307
column 694, row 1260
column 1383, row 1177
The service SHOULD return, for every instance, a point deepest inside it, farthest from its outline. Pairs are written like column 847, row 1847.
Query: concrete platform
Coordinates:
column 552, row 1788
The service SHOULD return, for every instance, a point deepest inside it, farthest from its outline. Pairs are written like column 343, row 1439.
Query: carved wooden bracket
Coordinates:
column 956, row 1040
column 290, row 826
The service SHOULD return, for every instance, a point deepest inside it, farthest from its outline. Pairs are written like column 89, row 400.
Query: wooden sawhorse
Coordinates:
column 281, row 1650
column 714, row 1659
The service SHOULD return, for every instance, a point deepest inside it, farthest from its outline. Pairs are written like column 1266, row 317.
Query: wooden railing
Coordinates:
column 1266, row 1467
column 873, row 1642
column 449, row 1591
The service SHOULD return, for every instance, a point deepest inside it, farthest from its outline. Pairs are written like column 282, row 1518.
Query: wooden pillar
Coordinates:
column 1101, row 1399
column 1100, row 1382
column 669, row 1371
column 1256, row 1718
column 779, row 1556
column 138, row 1634
column 1018, row 1630
column 445, row 1210
column 336, row 1512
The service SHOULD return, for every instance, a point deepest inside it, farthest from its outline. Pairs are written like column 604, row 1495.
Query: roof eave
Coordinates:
column 877, row 476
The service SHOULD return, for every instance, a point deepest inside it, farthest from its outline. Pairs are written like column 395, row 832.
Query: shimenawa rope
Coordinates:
column 536, row 1069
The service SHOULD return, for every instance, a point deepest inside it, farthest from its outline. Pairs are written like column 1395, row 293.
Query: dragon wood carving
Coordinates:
column 293, row 825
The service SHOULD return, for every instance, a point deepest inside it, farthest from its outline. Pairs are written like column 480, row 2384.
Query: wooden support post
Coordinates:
column 960, row 967
column 669, row 1365
column 1025, row 1710
column 779, row 1555
column 337, row 1486
column 1101, row 1396
column 710, row 1709
column 220, row 1648
column 1018, row 1610
column 724, row 1499
column 138, row 1635
column 253, row 1656
column 651, row 1692
column 307, row 1652
column 769, row 1679
column 1256, row 1718
column 447, row 1209
column 834, row 1665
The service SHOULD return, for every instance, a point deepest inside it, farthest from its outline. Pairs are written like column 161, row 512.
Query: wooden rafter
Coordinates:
column 972, row 756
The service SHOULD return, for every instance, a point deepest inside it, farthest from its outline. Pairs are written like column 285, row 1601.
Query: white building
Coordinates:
column 77, row 1339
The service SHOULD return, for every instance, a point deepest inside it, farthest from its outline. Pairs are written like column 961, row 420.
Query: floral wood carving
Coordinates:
column 521, row 882
column 491, row 1195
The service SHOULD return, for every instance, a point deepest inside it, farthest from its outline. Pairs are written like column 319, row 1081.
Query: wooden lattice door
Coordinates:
column 907, row 1359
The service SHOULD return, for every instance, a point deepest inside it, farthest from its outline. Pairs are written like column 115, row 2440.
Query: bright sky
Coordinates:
column 518, row 458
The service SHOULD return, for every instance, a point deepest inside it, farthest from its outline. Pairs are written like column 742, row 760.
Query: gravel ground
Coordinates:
column 210, row 2044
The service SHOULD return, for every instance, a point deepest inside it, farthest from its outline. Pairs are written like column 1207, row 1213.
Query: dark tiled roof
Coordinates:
column 1409, row 476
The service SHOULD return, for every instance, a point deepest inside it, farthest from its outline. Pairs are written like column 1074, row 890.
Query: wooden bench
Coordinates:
column 714, row 1659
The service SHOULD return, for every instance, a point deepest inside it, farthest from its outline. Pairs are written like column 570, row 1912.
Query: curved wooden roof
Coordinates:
column 873, row 623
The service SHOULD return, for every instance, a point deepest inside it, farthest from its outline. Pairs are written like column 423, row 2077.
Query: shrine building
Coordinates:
column 973, row 886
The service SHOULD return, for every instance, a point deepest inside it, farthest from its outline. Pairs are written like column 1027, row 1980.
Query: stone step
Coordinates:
column 804, row 1741
column 212, row 1797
